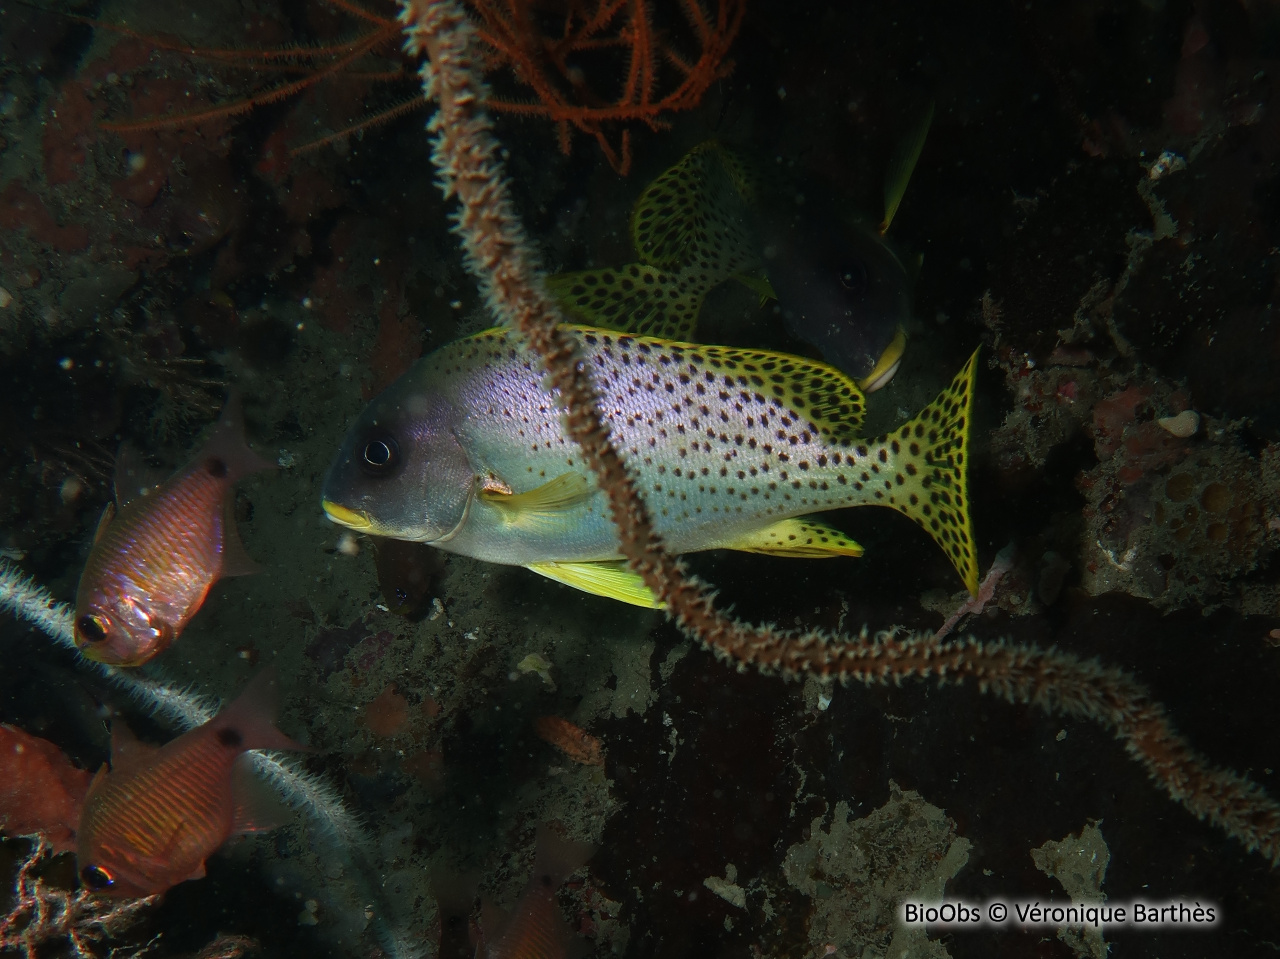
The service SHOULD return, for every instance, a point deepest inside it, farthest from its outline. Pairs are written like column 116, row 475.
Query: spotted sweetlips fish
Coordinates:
column 158, row 550
column 731, row 448
column 714, row 216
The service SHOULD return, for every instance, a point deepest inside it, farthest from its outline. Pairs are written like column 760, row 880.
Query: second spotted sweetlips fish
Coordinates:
column 732, row 449
column 157, row 552
column 714, row 216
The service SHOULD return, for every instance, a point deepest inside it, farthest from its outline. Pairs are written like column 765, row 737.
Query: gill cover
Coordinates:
column 401, row 471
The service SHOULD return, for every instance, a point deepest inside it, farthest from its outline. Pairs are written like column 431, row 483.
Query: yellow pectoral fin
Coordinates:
column 612, row 579
column 798, row 539
column 545, row 505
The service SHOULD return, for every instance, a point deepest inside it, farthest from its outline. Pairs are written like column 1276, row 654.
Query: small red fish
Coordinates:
column 152, row 820
column 536, row 929
column 154, row 559
column 40, row 791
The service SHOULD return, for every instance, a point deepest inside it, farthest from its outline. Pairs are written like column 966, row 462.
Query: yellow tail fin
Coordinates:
column 929, row 463
column 636, row 298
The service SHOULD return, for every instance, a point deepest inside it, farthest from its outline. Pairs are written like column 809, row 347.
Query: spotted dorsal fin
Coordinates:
column 815, row 391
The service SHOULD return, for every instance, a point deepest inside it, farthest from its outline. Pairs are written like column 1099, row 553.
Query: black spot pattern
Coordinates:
column 725, row 443
column 689, row 227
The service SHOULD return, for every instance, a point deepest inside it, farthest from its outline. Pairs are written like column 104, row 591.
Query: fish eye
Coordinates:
column 380, row 455
column 96, row 879
column 92, row 628
column 853, row 276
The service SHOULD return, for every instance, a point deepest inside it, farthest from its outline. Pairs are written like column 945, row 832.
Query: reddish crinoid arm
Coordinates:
column 601, row 66
column 362, row 57
column 595, row 66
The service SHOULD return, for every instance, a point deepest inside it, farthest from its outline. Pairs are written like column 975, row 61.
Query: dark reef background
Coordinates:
column 1097, row 207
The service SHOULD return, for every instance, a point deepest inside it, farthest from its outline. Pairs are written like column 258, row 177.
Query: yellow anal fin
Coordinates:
column 547, row 503
column 927, row 473
column 635, row 298
column 901, row 165
column 799, row 539
column 612, row 579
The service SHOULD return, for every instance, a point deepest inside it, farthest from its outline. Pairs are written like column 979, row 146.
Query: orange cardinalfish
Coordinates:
column 152, row 820
column 536, row 929
column 157, row 553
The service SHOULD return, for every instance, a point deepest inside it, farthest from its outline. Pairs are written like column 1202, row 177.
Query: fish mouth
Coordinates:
column 887, row 365
column 346, row 517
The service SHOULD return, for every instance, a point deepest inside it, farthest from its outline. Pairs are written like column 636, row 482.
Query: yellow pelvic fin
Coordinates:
column 902, row 164
column 635, row 298
column 921, row 470
column 612, row 579
column 799, row 539
column 542, row 506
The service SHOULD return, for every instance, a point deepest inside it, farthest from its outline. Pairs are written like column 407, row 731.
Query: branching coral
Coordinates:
column 599, row 68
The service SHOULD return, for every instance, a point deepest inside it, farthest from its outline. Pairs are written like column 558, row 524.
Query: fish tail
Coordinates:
column 226, row 449
column 249, row 722
column 928, row 458
column 636, row 298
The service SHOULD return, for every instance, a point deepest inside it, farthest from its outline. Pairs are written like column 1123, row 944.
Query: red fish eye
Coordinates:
column 91, row 628
column 380, row 455
column 96, row 879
